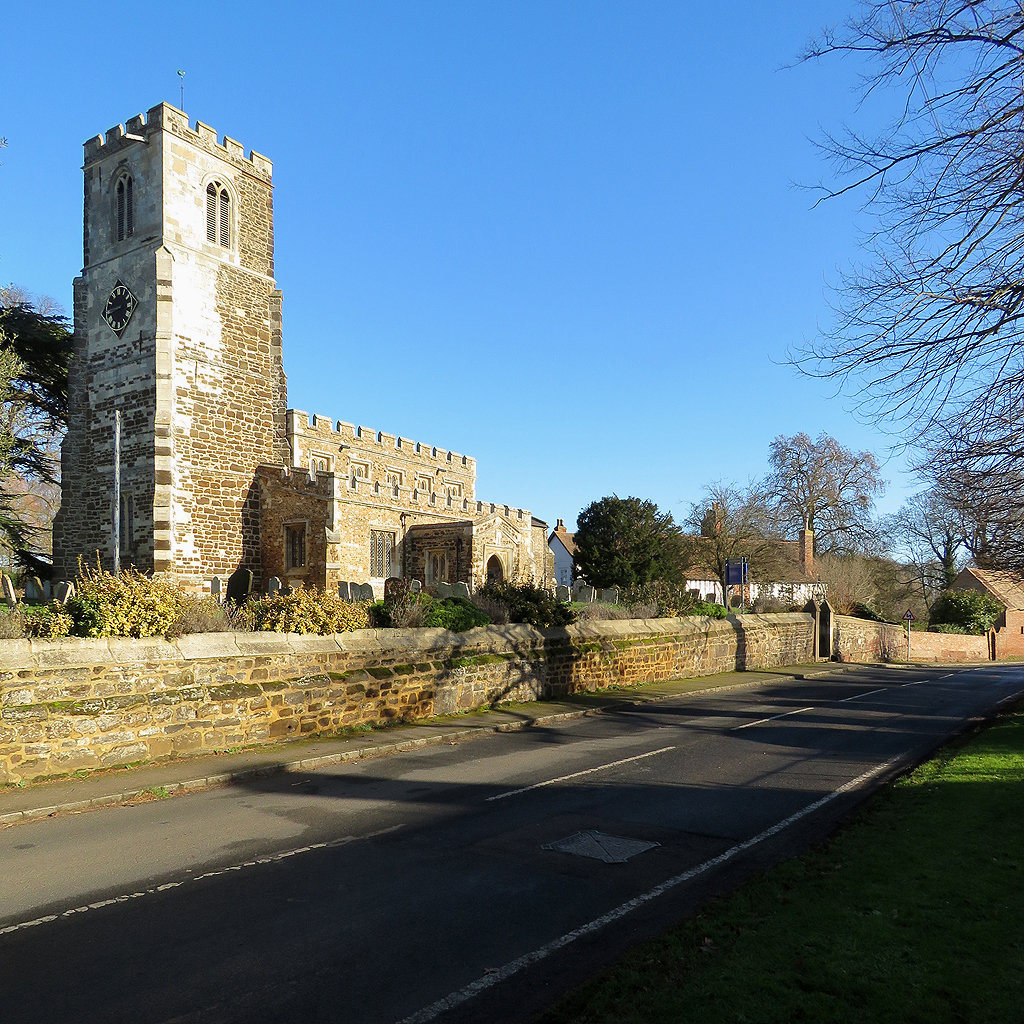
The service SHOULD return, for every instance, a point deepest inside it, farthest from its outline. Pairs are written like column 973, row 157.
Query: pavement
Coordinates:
column 188, row 774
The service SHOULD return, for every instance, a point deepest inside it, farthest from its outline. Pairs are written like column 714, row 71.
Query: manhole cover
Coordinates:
column 610, row 849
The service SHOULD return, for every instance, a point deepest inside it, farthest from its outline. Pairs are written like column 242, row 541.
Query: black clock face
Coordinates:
column 119, row 308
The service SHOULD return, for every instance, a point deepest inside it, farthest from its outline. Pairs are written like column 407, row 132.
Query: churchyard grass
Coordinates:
column 913, row 912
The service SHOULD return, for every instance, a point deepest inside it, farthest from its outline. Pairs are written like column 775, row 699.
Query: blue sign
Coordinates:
column 735, row 573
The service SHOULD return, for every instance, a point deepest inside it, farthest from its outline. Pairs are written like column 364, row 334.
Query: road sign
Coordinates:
column 909, row 617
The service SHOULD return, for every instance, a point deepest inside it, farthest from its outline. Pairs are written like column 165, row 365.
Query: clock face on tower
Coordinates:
column 119, row 308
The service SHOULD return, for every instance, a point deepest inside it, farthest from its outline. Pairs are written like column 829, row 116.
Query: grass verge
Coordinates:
column 913, row 912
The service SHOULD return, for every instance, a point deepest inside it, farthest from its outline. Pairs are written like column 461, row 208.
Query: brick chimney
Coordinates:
column 560, row 526
column 807, row 549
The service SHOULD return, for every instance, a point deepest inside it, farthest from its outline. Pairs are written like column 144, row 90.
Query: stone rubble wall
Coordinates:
column 82, row 704
column 863, row 640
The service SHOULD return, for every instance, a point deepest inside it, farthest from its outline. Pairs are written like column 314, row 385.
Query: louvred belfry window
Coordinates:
column 218, row 214
column 225, row 218
column 211, row 212
column 125, row 213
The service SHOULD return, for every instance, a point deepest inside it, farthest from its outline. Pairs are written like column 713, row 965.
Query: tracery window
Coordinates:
column 382, row 548
column 218, row 214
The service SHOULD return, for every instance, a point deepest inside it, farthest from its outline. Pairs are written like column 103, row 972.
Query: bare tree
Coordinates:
column 929, row 330
column 930, row 533
column 829, row 488
column 730, row 523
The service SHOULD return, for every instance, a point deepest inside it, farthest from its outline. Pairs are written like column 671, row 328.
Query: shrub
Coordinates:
column 967, row 610
column 204, row 615
column 400, row 608
column 123, row 604
column 47, row 621
column 307, row 610
column 492, row 607
column 530, row 604
column 456, row 614
column 709, row 609
column 669, row 599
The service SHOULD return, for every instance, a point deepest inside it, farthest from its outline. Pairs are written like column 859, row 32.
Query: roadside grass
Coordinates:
column 913, row 912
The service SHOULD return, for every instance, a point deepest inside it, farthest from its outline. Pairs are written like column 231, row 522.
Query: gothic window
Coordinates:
column 382, row 548
column 394, row 482
column 320, row 464
column 437, row 567
column 295, row 546
column 127, row 525
column 218, row 214
column 125, row 209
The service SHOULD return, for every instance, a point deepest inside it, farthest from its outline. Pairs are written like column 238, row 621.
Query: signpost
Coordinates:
column 736, row 575
column 908, row 619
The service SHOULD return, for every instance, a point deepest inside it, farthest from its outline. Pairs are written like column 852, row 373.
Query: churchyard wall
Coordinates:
column 81, row 704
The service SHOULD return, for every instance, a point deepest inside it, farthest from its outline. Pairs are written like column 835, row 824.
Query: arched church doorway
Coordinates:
column 495, row 572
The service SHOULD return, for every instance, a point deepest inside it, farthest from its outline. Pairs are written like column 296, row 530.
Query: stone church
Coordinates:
column 177, row 327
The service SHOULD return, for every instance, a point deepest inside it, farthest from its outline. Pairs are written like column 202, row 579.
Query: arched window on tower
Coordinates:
column 125, row 209
column 218, row 214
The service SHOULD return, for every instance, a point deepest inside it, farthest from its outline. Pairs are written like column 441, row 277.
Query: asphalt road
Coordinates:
column 417, row 886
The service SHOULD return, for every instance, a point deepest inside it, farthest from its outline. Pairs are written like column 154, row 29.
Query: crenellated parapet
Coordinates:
column 140, row 129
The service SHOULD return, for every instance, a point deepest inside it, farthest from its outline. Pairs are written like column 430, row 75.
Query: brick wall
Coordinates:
column 80, row 704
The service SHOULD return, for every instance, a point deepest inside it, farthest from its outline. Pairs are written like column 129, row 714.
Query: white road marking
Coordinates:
column 576, row 775
column 269, row 859
column 859, row 695
column 761, row 721
column 492, row 977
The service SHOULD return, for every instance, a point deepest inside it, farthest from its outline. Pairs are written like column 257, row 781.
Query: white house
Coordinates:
column 563, row 548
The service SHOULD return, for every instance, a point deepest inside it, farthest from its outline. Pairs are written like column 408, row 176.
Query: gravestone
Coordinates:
column 562, row 594
column 9, row 595
column 460, row 590
column 444, row 590
column 63, row 591
column 583, row 592
column 344, row 590
column 47, row 590
column 34, row 590
column 273, row 586
column 361, row 592
column 395, row 588
column 415, row 586
column 215, row 589
column 240, row 586
column 610, row 595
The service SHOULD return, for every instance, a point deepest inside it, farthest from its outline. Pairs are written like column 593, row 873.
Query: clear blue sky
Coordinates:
column 564, row 238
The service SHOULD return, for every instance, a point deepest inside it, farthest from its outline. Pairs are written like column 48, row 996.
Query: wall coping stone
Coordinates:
column 439, row 643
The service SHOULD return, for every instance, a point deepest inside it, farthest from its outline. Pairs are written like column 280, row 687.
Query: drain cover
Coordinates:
column 610, row 849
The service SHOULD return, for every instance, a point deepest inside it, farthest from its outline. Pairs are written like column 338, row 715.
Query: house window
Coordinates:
column 437, row 567
column 125, row 209
column 382, row 549
column 295, row 546
column 218, row 214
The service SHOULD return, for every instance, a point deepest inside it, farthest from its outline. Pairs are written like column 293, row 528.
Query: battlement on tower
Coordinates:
column 337, row 434
column 140, row 129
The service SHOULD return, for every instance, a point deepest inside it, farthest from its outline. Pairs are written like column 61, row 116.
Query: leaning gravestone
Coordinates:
column 444, row 590
column 9, row 595
column 610, row 595
column 344, row 591
column 34, row 590
column 273, row 586
column 240, row 586
column 584, row 593
column 460, row 590
column 63, row 591
column 562, row 594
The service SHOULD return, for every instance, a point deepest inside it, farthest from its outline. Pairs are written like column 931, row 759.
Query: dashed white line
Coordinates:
column 857, row 696
column 462, row 995
column 576, row 775
column 761, row 721
column 269, row 859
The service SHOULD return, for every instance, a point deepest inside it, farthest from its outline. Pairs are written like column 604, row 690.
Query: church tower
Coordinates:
column 178, row 326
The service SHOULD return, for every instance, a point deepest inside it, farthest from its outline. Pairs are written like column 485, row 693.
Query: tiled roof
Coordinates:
column 565, row 538
column 1006, row 586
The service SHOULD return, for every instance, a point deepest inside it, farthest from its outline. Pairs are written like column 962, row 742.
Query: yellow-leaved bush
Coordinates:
column 124, row 604
column 308, row 611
